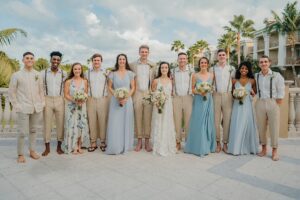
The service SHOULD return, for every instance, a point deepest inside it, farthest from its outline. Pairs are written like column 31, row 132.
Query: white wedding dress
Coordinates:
column 162, row 127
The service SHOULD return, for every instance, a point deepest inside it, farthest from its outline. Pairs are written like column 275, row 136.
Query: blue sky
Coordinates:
column 80, row 28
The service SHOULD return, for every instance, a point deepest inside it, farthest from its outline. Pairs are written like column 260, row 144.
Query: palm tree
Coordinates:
column 7, row 65
column 289, row 24
column 177, row 46
column 40, row 64
column 7, row 35
column 7, row 68
column 191, row 52
column 227, row 42
column 242, row 28
column 198, row 49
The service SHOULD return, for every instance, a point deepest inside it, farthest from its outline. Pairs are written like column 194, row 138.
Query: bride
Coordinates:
column 162, row 127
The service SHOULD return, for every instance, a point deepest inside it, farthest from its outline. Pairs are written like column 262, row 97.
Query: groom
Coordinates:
column 145, row 73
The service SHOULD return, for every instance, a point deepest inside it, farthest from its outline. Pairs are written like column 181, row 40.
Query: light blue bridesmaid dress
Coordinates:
column 120, row 128
column 202, row 135
column 243, row 130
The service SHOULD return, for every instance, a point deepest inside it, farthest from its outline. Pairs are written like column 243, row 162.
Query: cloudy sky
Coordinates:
column 80, row 28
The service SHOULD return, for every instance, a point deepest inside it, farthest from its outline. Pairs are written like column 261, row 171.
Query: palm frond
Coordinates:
column 8, row 35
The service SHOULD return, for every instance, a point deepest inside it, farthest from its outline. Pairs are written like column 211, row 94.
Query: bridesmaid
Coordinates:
column 243, row 131
column 76, row 126
column 202, row 135
column 120, row 129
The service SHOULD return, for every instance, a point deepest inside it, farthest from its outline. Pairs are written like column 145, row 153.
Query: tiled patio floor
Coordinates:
column 144, row 176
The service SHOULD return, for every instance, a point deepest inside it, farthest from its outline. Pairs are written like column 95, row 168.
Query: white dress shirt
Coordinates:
column 223, row 77
column 263, row 85
column 143, row 76
column 182, row 79
column 55, row 82
column 97, row 83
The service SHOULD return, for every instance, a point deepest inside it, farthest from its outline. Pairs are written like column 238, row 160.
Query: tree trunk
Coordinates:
column 293, row 44
column 193, row 61
column 293, row 64
column 228, row 55
column 239, row 47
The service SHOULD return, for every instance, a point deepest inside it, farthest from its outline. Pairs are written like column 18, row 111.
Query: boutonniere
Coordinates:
column 36, row 77
column 230, row 69
column 272, row 75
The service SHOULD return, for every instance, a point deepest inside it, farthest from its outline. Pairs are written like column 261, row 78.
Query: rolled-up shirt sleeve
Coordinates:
column 280, row 87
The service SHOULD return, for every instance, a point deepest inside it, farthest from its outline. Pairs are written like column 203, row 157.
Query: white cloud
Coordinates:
column 123, row 25
column 34, row 11
column 92, row 19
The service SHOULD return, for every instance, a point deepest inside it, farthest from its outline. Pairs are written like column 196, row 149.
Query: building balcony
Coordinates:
column 289, row 61
column 274, row 44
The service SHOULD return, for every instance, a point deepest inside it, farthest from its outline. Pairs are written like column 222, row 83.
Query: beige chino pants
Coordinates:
column 54, row 107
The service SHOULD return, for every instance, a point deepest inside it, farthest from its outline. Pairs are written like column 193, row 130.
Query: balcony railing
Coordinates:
column 260, row 46
column 294, row 111
column 289, row 61
column 8, row 116
column 274, row 43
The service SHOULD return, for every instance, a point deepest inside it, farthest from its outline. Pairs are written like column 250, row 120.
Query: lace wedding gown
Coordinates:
column 162, row 126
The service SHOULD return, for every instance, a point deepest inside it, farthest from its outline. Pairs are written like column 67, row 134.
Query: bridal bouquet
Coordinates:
column 121, row 93
column 81, row 97
column 204, row 88
column 148, row 98
column 158, row 98
column 240, row 94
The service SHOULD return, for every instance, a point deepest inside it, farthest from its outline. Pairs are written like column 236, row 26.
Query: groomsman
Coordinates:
column 53, row 79
column 26, row 95
column 183, row 100
column 222, row 96
column 270, row 89
column 97, row 103
column 145, row 73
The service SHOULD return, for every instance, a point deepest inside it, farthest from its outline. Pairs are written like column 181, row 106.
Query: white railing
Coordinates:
column 8, row 117
column 294, row 112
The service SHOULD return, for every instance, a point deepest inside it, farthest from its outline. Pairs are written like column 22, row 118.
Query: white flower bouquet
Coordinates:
column 240, row 94
column 148, row 98
column 157, row 98
column 121, row 93
column 80, row 96
column 204, row 88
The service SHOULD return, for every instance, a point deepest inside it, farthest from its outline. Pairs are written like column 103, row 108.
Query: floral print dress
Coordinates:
column 76, row 124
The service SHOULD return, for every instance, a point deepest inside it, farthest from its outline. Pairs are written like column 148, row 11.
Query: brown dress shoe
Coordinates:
column 47, row 149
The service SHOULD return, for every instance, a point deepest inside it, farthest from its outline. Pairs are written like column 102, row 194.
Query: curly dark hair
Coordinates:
column 249, row 67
